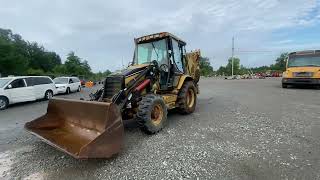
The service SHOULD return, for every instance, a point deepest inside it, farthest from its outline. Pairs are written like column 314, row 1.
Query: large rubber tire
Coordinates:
column 3, row 103
column 187, row 98
column 151, row 122
column 284, row 85
column 79, row 89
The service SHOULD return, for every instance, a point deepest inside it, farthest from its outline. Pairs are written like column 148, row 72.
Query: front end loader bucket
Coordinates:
column 83, row 129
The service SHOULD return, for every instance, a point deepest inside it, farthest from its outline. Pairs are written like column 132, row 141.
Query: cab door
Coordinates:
column 178, row 62
column 19, row 92
column 177, row 54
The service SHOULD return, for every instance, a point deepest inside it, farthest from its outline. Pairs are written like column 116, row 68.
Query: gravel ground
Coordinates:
column 241, row 129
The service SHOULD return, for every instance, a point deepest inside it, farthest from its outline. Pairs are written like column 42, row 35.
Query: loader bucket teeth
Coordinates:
column 83, row 129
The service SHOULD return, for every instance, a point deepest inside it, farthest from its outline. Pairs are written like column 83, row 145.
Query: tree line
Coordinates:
column 21, row 57
column 207, row 70
column 238, row 69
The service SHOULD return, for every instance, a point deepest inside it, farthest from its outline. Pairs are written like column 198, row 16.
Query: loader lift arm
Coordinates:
column 130, row 92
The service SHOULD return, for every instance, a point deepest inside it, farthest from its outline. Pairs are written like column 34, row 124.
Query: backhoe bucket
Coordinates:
column 83, row 129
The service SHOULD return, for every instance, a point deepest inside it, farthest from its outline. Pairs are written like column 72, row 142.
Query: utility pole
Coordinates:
column 232, row 56
column 122, row 64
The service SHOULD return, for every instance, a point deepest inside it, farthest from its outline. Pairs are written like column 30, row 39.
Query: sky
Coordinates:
column 102, row 32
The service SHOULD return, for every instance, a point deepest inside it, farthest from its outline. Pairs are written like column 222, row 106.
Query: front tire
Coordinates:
column 284, row 85
column 68, row 91
column 187, row 98
column 79, row 89
column 48, row 95
column 152, row 114
column 3, row 103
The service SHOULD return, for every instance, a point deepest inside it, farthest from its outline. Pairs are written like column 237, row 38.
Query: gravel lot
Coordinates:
column 242, row 129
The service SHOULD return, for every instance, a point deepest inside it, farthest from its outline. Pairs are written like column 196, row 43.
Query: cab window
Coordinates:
column 177, row 53
column 147, row 52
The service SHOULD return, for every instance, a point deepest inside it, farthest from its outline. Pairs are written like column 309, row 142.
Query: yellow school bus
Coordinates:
column 303, row 68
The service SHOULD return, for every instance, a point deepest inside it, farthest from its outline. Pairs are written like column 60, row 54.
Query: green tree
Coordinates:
column 60, row 70
column 236, row 66
column 35, row 72
column 280, row 62
column 73, row 63
column 221, row 71
column 75, row 66
column 19, row 57
column 205, row 67
column 260, row 69
column 11, row 62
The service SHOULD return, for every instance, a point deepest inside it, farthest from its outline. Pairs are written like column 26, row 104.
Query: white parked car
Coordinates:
column 67, row 84
column 25, row 88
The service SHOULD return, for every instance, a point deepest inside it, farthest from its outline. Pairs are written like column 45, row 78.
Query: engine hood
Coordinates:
column 131, row 70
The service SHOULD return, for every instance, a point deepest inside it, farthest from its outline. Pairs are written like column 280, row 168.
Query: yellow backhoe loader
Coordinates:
column 162, row 76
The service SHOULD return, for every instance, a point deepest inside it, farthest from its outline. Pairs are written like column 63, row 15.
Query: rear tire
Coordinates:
column 152, row 114
column 3, row 103
column 187, row 98
column 48, row 95
column 79, row 89
column 284, row 85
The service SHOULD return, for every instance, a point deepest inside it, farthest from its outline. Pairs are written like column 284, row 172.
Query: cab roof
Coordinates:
column 157, row 36
column 306, row 52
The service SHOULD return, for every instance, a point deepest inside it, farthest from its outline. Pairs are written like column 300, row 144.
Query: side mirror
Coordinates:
column 9, row 86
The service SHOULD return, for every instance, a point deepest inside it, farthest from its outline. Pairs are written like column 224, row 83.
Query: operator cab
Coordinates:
column 168, row 50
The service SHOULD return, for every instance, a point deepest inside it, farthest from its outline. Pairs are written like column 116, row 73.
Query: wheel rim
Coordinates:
column 49, row 95
column 157, row 114
column 2, row 103
column 190, row 98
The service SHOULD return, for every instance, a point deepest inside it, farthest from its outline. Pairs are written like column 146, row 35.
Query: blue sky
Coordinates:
column 102, row 32
column 283, row 40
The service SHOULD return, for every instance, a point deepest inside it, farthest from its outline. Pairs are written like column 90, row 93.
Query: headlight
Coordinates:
column 285, row 74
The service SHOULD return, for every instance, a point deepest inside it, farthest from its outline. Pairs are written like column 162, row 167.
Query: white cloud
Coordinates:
column 285, row 41
column 102, row 32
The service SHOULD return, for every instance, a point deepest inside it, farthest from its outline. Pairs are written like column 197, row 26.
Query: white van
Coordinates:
column 25, row 88
column 67, row 84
